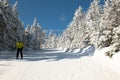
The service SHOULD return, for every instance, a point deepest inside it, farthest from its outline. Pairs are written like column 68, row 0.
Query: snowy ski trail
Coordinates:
column 55, row 65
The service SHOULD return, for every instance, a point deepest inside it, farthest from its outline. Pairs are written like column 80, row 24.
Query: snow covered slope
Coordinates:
column 54, row 64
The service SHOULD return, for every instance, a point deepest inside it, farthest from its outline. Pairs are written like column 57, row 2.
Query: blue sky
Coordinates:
column 51, row 14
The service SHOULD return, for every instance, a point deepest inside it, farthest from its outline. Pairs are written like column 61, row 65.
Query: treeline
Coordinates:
column 12, row 29
column 98, row 26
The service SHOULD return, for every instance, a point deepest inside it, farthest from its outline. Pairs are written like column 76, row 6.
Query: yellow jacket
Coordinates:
column 19, row 45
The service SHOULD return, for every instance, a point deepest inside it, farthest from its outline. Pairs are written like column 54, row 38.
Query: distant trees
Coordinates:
column 51, row 40
column 34, row 36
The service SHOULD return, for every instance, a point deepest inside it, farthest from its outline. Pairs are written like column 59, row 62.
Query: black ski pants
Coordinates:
column 21, row 54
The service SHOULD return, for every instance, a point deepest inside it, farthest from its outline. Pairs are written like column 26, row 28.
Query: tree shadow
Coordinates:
column 88, row 52
column 7, row 55
column 47, row 55
column 50, row 56
column 56, row 55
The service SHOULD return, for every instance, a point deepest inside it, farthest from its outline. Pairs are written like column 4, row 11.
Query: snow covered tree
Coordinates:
column 14, row 8
column 92, row 21
column 68, row 37
column 28, row 37
column 110, row 25
column 106, row 25
column 116, row 25
column 51, row 41
column 77, row 23
column 34, row 36
column 11, row 28
column 6, row 3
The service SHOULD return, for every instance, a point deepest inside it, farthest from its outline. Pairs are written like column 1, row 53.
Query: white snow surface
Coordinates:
column 55, row 64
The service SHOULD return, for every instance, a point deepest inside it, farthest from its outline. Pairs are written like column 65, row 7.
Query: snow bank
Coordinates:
column 77, row 50
column 113, row 63
column 88, row 51
column 66, row 49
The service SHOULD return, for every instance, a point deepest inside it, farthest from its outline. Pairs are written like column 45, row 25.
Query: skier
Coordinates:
column 19, row 46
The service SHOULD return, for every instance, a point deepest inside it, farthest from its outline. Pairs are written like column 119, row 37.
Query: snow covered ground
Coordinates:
column 55, row 64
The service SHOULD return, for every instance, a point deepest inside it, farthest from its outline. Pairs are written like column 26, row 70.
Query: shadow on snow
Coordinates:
column 47, row 54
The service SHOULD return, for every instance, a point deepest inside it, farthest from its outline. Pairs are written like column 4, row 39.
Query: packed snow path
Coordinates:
column 55, row 65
